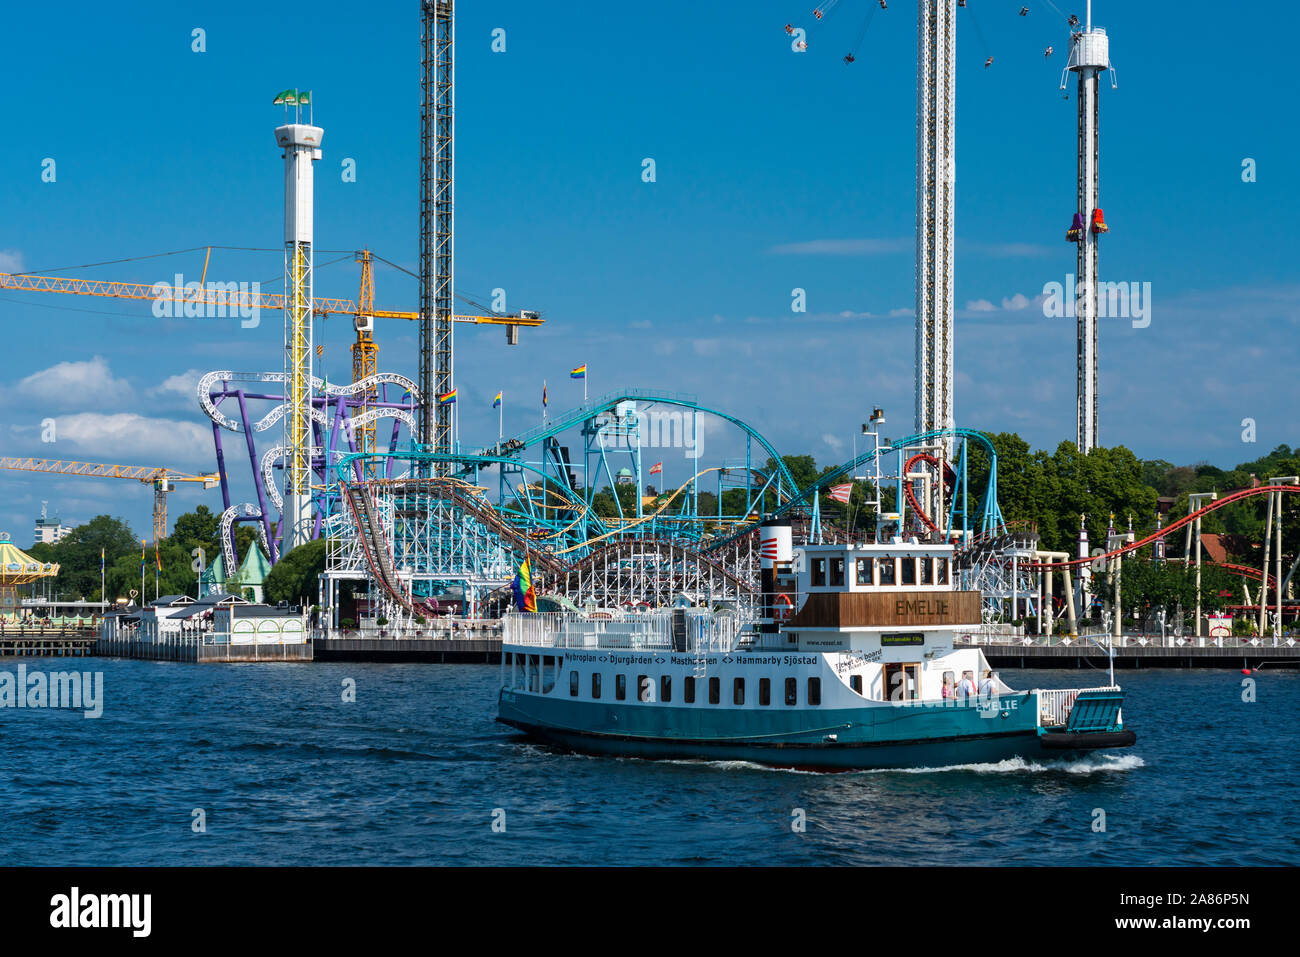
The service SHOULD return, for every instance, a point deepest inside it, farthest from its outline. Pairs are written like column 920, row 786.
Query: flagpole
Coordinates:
column 501, row 419
column 584, row 386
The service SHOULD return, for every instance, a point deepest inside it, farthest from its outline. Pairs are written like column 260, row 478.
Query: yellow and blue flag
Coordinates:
column 522, row 586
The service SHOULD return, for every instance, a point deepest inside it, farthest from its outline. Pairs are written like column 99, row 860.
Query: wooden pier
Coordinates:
column 436, row 650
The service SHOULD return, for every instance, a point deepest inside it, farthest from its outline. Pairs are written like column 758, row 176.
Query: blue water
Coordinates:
column 411, row 773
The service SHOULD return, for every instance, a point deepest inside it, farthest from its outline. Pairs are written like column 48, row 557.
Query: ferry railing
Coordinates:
column 677, row 630
column 1054, row 706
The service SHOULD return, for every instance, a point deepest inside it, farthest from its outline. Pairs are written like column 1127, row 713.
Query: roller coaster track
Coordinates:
column 375, row 544
column 571, row 418
column 992, row 513
column 949, row 481
column 631, row 547
column 1228, row 499
column 379, row 553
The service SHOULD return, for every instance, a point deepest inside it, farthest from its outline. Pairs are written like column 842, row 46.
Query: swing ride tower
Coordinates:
column 936, row 113
column 1089, row 56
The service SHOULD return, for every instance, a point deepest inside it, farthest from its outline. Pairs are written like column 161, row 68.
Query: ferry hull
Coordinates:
column 799, row 748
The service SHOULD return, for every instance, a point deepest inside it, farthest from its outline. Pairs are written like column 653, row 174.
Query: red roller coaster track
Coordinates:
column 949, row 482
column 1169, row 529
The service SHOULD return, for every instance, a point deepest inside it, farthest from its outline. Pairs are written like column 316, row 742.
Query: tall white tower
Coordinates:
column 1089, row 56
column 301, row 145
column 936, row 103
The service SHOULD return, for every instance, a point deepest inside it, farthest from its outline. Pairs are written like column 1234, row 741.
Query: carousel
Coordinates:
column 18, row 568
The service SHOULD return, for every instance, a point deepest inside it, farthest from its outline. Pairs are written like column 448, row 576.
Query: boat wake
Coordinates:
column 1091, row 764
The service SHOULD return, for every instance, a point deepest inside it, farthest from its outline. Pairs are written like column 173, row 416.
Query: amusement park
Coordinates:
column 609, row 437
column 413, row 529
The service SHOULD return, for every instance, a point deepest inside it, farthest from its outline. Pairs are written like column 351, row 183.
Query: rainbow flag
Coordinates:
column 101, row 561
column 142, row 544
column 157, row 560
column 522, row 586
column 543, row 393
column 496, row 401
column 579, row 373
column 448, row 398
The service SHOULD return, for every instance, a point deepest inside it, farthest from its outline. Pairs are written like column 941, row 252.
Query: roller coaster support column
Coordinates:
column 1196, row 501
column 1046, row 604
column 1277, row 558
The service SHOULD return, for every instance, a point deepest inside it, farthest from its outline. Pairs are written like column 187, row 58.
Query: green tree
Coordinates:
column 294, row 578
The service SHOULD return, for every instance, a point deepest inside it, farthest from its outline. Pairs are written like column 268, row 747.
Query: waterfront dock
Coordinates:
column 1139, row 652
column 50, row 641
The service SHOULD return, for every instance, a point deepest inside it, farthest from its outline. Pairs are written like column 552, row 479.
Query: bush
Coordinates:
column 349, row 623
column 381, row 621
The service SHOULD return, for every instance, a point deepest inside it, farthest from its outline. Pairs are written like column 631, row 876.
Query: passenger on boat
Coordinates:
column 947, row 691
column 966, row 687
column 989, row 686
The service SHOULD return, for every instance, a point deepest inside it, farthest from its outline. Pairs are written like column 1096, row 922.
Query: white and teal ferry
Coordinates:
column 858, row 668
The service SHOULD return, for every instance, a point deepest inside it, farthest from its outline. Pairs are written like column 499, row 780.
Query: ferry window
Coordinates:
column 532, row 672
column 665, row 688
column 837, row 571
column 645, row 688
column 818, row 572
column 909, row 571
column 549, row 674
column 888, row 571
column 941, row 578
column 688, row 691
column 927, row 571
column 715, row 690
column 865, row 572
column 791, row 691
column 855, row 682
column 765, row 691
column 573, row 684
column 595, row 684
column 738, row 691
column 814, row 690
column 620, row 687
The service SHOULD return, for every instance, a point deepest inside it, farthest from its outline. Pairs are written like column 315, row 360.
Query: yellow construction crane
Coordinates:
column 365, row 354
column 233, row 300
column 163, row 480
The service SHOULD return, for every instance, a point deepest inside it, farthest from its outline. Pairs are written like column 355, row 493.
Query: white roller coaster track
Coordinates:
column 227, row 520
column 204, row 390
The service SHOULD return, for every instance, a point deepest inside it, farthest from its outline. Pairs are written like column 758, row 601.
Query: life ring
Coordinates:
column 782, row 607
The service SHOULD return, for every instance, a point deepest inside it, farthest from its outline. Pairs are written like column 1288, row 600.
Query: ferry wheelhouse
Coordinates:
column 850, row 663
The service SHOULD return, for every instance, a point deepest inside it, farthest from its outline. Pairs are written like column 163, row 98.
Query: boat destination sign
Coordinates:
column 902, row 638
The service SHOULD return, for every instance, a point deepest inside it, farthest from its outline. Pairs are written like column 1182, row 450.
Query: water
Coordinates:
column 287, row 773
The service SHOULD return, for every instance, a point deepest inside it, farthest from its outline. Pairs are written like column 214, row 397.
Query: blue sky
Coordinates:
column 774, row 170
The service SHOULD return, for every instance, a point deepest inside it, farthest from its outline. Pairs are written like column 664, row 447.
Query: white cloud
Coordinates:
column 67, row 382
column 835, row 443
column 1005, row 250
column 134, row 439
column 899, row 313
column 1016, row 302
column 980, row 305
column 11, row 260
column 845, row 247
column 182, row 384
